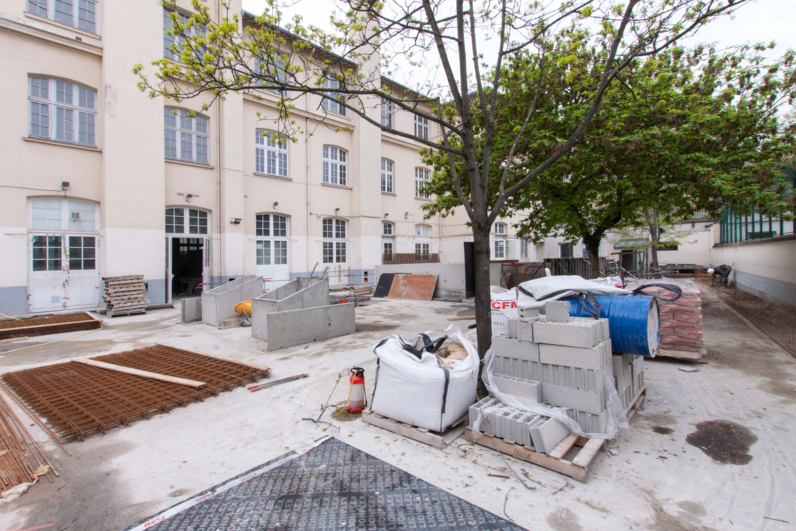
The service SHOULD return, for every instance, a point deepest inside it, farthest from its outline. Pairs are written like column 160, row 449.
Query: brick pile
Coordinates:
column 681, row 320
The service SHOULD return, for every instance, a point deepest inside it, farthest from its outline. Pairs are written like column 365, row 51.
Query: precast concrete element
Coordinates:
column 191, row 310
column 450, row 276
column 594, row 358
column 218, row 304
column 590, row 423
column 515, row 348
column 296, row 327
column 519, row 387
column 517, row 368
column 511, row 328
column 637, row 371
column 475, row 410
column 530, row 313
column 557, row 312
column 525, row 329
column 572, row 377
column 299, row 293
column 547, row 433
column 578, row 332
column 587, row 401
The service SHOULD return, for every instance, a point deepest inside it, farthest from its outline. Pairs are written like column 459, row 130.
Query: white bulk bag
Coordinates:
column 419, row 392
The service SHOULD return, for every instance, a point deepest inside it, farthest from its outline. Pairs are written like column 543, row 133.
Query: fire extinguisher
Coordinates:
column 357, row 401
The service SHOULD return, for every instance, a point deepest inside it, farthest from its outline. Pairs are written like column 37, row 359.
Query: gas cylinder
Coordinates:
column 357, row 401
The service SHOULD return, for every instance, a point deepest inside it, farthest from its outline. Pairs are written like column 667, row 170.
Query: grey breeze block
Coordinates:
column 586, row 379
column 520, row 329
column 579, row 332
column 588, row 422
column 519, row 387
column 587, row 401
column 515, row 348
column 594, row 358
column 547, row 433
column 557, row 312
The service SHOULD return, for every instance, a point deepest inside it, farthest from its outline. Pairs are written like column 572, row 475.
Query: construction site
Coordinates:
column 318, row 409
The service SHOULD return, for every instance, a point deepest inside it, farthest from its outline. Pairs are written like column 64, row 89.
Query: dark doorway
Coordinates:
column 469, row 270
column 186, row 266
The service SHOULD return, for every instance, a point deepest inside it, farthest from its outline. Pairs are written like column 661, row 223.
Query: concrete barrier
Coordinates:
column 219, row 303
column 299, row 293
column 450, row 276
column 295, row 327
column 191, row 309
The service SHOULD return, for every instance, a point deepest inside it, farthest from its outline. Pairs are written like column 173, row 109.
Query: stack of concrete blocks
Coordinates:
column 628, row 376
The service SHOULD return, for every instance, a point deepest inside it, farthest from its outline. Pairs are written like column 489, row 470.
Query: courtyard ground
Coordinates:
column 652, row 478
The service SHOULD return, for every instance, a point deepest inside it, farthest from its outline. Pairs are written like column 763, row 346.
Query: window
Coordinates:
column 332, row 100
column 81, row 216
column 175, row 221
column 500, row 249
column 500, row 228
column 47, row 253
column 186, row 137
column 387, row 247
column 74, row 108
column 169, row 39
column 271, row 250
column 271, row 73
column 524, row 248
column 63, row 11
column 421, row 127
column 334, row 252
column 422, row 178
column 386, row 229
column 386, row 176
column 424, row 231
column 335, row 166
column 668, row 247
column 82, row 253
column 422, row 248
column 386, row 113
column 63, row 214
column 271, row 154
column 46, row 214
column 565, row 250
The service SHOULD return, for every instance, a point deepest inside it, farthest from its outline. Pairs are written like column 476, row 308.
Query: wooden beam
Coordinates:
column 216, row 356
column 137, row 372
column 14, row 339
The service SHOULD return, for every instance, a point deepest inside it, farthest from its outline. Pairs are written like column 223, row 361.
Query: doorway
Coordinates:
column 188, row 261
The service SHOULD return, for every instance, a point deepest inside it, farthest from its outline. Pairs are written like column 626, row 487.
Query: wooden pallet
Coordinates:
column 575, row 456
column 437, row 440
column 680, row 354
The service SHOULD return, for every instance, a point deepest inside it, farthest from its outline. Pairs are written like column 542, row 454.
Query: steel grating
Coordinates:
column 79, row 401
column 331, row 486
column 40, row 326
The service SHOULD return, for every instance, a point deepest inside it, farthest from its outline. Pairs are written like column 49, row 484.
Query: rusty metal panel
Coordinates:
column 40, row 326
column 413, row 287
column 79, row 401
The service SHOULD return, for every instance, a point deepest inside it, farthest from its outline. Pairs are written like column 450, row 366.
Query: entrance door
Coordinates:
column 271, row 250
column 47, row 274
column 82, row 280
column 188, row 269
column 169, row 275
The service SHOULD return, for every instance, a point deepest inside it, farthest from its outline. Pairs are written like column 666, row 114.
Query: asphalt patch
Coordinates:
column 724, row 441
column 662, row 430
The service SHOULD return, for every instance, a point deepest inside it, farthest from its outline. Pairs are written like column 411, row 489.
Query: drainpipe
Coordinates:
column 307, row 157
column 218, row 184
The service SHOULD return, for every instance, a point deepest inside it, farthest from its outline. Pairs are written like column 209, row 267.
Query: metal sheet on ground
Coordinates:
column 384, row 285
column 331, row 486
column 413, row 287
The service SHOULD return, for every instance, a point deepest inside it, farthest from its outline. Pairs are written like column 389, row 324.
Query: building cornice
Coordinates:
column 35, row 31
column 327, row 118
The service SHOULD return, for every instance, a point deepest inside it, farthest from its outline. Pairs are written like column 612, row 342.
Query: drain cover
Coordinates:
column 332, row 486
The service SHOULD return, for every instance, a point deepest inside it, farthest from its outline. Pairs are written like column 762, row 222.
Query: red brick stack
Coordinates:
column 681, row 321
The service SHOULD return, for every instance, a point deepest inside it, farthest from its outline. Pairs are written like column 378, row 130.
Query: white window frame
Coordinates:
column 174, row 120
column 500, row 249
column 274, row 73
column 384, row 248
column 423, row 248
column 187, row 216
column 419, row 230
column 83, row 14
column 500, row 229
column 334, row 233
column 387, row 176
column 386, row 113
column 332, row 100
column 523, row 248
column 272, row 229
column 422, row 176
column 421, row 127
column 385, row 226
column 335, row 166
column 56, row 213
column 168, row 40
column 75, row 123
column 270, row 154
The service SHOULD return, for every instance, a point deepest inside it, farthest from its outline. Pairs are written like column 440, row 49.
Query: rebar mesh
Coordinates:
column 55, row 324
column 79, row 401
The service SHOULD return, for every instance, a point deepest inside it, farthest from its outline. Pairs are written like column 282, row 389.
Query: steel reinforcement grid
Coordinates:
column 79, row 401
column 56, row 324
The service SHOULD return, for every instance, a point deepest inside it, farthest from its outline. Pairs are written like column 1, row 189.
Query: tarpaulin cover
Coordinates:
column 417, row 391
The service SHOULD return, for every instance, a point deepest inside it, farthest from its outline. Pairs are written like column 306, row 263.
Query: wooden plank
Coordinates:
column 38, row 327
column 14, row 339
column 588, row 452
column 564, row 446
column 137, row 372
column 679, row 354
column 216, row 356
column 437, row 440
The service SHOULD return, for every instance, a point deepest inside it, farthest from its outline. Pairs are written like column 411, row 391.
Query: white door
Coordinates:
column 82, row 278
column 169, row 274
column 272, row 250
column 47, row 275
column 208, row 260
column 335, row 251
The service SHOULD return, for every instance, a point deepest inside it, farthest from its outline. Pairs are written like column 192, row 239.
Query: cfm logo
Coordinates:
column 502, row 305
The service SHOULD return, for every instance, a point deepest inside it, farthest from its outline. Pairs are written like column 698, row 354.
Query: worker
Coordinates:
column 721, row 273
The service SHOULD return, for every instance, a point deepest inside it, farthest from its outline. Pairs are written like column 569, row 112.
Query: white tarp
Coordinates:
column 418, row 391
column 553, row 288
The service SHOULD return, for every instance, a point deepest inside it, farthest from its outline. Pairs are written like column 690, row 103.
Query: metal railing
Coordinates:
column 572, row 266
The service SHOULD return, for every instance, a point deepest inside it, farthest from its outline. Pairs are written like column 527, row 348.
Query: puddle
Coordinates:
column 662, row 430
column 724, row 441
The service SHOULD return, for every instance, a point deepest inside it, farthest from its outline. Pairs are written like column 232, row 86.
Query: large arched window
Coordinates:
column 271, row 153
column 335, row 165
column 187, row 137
column 63, row 111
column 335, row 246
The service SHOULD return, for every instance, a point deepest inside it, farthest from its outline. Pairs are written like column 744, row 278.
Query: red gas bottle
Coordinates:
column 357, row 402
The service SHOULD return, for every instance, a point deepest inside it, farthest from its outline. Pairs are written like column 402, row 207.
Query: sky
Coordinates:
column 758, row 21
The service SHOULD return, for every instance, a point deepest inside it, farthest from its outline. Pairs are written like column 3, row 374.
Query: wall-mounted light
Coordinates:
column 385, row 216
column 235, row 221
column 64, row 186
column 188, row 197
column 336, row 210
column 406, row 215
column 276, row 204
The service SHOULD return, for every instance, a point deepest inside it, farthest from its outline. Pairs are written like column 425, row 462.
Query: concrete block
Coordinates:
column 590, row 423
column 477, row 408
column 529, row 313
column 525, row 329
column 511, row 328
column 515, row 348
column 524, row 369
column 578, row 332
column 606, row 329
column 572, row 377
column 584, row 358
column 191, row 309
column 519, row 387
column 557, row 312
column 547, row 433
column 637, row 366
column 588, row 401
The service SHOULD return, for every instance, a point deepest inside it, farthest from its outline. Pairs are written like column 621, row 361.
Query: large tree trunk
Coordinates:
column 592, row 243
column 483, row 298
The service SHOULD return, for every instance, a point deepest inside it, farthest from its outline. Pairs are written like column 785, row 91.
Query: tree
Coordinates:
column 226, row 57
column 683, row 131
column 656, row 231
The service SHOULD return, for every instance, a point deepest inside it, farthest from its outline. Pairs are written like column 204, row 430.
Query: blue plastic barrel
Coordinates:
column 634, row 321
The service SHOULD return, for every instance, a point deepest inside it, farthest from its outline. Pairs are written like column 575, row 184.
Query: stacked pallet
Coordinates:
column 681, row 323
column 124, row 295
